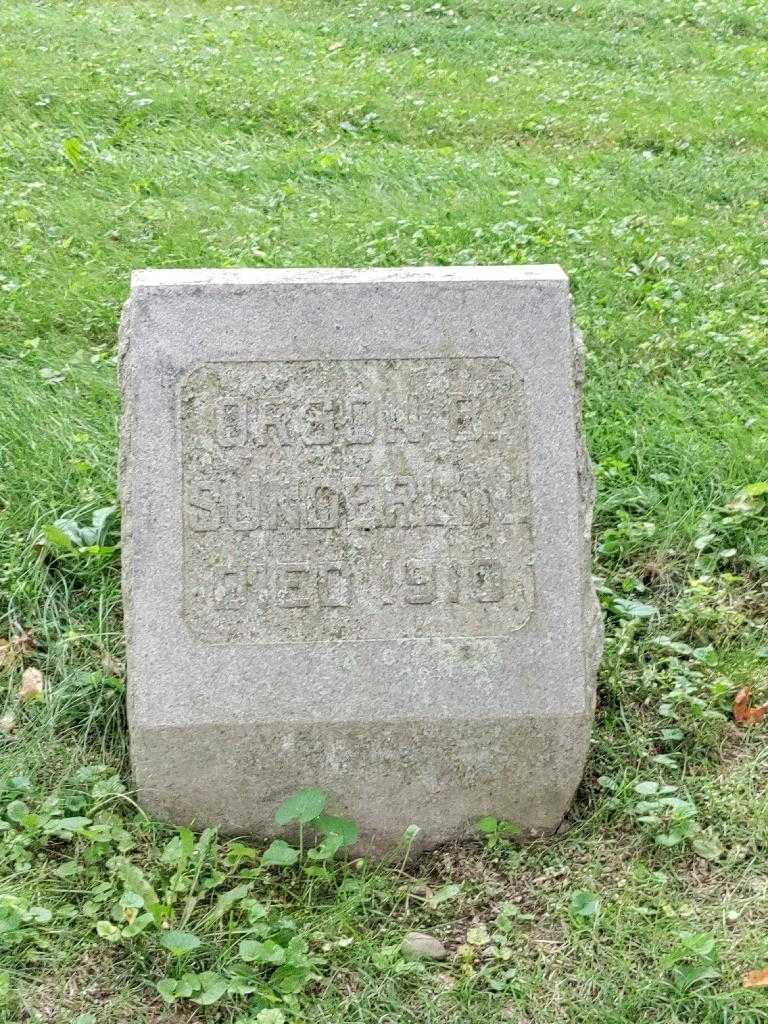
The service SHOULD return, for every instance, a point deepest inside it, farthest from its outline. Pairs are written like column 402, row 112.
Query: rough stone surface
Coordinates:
column 420, row 946
column 356, row 512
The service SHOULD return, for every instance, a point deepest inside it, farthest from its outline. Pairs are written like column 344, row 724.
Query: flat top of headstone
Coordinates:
column 344, row 275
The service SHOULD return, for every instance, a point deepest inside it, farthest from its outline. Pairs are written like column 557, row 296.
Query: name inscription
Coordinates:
column 355, row 500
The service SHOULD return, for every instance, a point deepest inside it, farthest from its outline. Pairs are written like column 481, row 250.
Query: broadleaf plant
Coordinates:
column 306, row 809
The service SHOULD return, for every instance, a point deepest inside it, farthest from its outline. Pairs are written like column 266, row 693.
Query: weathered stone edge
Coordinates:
column 593, row 618
column 125, row 472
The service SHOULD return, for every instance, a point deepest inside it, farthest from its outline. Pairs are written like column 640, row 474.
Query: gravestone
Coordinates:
column 357, row 546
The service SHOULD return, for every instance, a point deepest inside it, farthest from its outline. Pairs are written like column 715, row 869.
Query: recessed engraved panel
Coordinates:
column 355, row 500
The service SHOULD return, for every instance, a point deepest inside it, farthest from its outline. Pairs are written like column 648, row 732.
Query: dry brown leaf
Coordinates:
column 112, row 665
column 7, row 654
column 755, row 979
column 741, row 703
column 743, row 712
column 25, row 641
column 31, row 685
column 14, row 648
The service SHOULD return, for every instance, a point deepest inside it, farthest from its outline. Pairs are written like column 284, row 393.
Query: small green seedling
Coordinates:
column 332, row 833
column 496, row 831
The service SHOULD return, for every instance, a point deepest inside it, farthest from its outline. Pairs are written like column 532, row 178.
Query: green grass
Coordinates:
column 625, row 139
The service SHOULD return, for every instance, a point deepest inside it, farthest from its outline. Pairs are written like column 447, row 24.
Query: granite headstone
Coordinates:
column 356, row 510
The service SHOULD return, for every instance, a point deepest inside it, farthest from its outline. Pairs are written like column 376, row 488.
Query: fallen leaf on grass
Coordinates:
column 444, row 893
column 112, row 666
column 478, row 936
column 743, row 712
column 31, row 685
column 708, row 847
column 15, row 647
column 755, row 979
column 7, row 654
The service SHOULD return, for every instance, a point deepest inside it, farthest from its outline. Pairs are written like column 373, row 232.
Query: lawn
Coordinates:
column 624, row 139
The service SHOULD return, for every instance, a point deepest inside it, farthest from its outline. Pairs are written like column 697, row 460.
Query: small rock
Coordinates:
column 32, row 684
column 8, row 725
column 420, row 946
